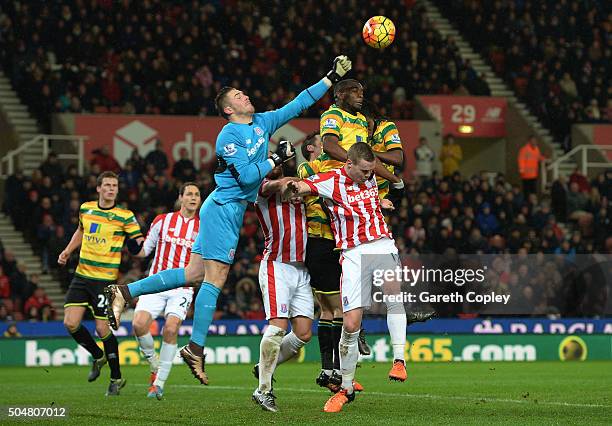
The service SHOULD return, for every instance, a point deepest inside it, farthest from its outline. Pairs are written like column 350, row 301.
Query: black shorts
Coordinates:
column 84, row 292
column 323, row 263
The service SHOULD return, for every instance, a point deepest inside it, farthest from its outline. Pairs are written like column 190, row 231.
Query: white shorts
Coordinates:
column 172, row 302
column 358, row 266
column 285, row 288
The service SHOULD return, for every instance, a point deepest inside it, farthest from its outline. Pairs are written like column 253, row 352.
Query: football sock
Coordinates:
column 111, row 347
column 166, row 357
column 162, row 281
column 349, row 353
column 289, row 347
column 326, row 348
column 204, row 309
column 82, row 336
column 269, row 349
column 396, row 322
column 147, row 347
column 336, row 333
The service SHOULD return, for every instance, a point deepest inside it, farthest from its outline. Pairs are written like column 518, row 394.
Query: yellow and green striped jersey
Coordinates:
column 104, row 231
column 385, row 138
column 317, row 219
column 347, row 127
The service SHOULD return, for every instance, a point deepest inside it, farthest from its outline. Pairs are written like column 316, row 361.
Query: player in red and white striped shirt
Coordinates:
column 284, row 280
column 172, row 236
column 351, row 195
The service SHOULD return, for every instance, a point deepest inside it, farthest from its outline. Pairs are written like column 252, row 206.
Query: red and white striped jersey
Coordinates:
column 355, row 212
column 171, row 236
column 284, row 227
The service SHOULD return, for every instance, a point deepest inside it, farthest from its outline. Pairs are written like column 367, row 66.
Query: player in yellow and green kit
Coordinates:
column 385, row 141
column 103, row 228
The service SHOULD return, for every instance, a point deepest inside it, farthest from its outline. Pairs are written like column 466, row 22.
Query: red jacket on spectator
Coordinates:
column 5, row 287
column 581, row 180
column 106, row 161
column 37, row 300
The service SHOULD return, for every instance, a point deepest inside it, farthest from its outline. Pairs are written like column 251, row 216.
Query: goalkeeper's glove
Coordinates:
column 342, row 64
column 284, row 152
column 134, row 246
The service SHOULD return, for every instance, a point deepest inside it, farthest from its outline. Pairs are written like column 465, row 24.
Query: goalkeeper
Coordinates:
column 243, row 162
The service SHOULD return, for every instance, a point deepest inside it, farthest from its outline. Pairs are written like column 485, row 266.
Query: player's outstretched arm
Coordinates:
column 295, row 188
column 75, row 242
column 273, row 186
column 308, row 97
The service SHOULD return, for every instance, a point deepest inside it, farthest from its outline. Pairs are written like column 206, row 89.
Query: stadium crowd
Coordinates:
column 161, row 57
column 467, row 214
column 555, row 54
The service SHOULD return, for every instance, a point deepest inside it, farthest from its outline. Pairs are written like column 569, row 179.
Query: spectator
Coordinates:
column 5, row 285
column 486, row 221
column 424, row 156
column 184, row 169
column 33, row 307
column 529, row 158
column 52, row 168
column 11, row 331
column 104, row 161
column 450, row 156
column 157, row 158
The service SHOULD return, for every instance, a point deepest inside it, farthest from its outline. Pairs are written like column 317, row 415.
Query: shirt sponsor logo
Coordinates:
column 95, row 228
column 255, row 148
column 330, row 123
column 229, row 149
column 363, row 195
column 178, row 241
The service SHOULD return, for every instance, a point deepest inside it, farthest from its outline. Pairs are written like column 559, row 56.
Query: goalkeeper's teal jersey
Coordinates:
column 242, row 149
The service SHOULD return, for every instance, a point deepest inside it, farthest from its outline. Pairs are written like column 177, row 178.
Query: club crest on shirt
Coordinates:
column 283, row 308
column 345, row 301
column 259, row 131
column 231, row 254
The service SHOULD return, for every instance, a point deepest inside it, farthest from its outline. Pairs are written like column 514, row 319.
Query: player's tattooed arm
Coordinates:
column 295, row 188
column 273, row 186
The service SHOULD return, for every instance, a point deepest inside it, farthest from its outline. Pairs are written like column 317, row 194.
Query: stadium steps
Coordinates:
column 24, row 125
column 13, row 241
column 496, row 84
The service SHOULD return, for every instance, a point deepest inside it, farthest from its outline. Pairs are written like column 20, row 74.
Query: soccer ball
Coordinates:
column 378, row 32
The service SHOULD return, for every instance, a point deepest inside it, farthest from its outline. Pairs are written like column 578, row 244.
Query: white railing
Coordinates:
column 9, row 161
column 581, row 152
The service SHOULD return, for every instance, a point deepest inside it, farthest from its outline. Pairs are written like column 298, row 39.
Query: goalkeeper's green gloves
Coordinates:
column 342, row 64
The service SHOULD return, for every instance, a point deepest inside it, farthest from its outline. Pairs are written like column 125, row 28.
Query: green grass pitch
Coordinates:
column 435, row 393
